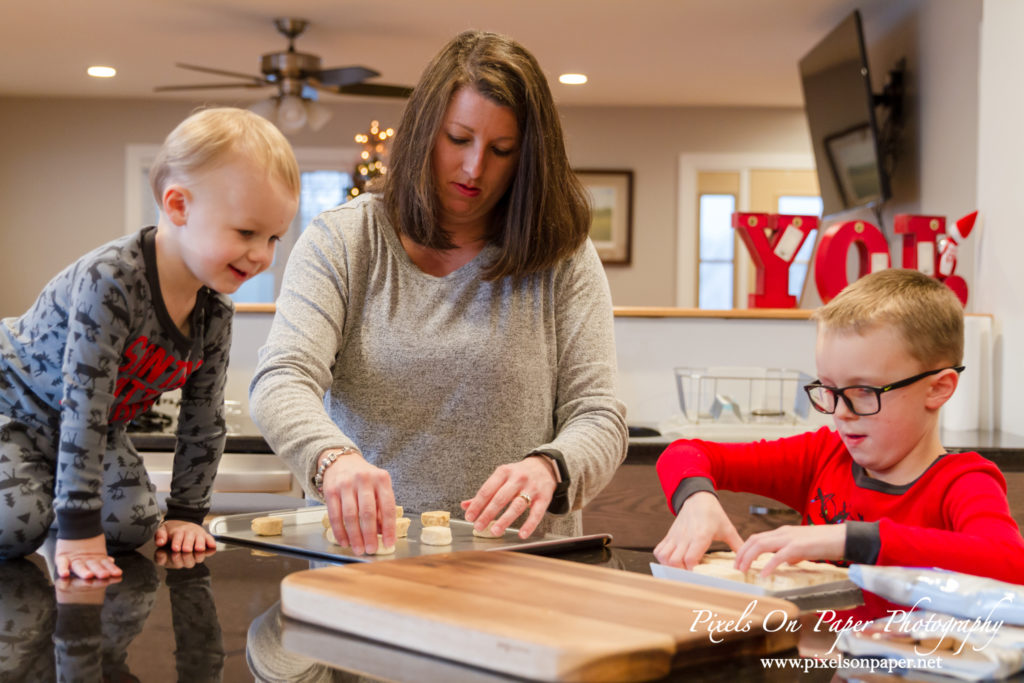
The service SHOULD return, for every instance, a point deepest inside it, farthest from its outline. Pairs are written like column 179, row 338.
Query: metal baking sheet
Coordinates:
column 303, row 532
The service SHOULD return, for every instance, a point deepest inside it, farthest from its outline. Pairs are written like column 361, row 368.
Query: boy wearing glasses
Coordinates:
column 880, row 488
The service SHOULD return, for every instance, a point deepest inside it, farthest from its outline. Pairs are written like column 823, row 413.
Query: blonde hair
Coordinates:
column 925, row 313
column 206, row 137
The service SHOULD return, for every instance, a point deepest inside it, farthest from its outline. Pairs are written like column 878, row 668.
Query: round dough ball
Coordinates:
column 486, row 533
column 436, row 535
column 267, row 526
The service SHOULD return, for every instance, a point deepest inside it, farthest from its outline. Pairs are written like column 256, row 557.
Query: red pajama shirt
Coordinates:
column 954, row 516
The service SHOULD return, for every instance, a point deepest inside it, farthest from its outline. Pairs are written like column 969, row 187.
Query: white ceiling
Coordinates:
column 640, row 52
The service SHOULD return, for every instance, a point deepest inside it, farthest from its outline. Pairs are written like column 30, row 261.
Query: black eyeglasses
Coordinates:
column 861, row 399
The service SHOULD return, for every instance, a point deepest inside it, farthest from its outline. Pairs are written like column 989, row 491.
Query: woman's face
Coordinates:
column 475, row 156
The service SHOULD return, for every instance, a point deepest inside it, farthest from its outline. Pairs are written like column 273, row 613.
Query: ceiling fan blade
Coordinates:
column 208, row 86
column 345, row 75
column 221, row 72
column 373, row 90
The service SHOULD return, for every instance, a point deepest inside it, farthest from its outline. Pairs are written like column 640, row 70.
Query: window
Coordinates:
column 326, row 180
column 717, row 251
column 321, row 189
column 711, row 188
column 794, row 205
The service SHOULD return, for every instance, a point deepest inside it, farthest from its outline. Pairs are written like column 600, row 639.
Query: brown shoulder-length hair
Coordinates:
column 544, row 215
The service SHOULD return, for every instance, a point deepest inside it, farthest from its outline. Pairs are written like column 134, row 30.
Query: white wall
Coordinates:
column 62, row 174
column 1000, row 183
column 62, row 181
column 62, row 184
column 650, row 141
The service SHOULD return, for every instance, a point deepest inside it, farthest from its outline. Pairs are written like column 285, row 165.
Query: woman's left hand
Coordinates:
column 184, row 537
column 514, row 487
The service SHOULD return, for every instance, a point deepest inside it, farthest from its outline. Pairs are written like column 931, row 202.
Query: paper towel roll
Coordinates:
column 963, row 411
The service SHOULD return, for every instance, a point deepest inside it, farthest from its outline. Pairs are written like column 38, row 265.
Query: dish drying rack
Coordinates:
column 732, row 403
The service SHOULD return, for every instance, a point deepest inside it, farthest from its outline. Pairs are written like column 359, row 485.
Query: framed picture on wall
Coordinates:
column 611, row 227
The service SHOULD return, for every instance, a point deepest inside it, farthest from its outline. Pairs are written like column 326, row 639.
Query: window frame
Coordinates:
column 138, row 159
column 687, row 225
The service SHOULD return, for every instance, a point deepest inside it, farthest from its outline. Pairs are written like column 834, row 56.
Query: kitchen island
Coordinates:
column 172, row 618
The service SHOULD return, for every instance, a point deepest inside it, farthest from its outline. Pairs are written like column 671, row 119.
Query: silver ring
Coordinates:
column 526, row 497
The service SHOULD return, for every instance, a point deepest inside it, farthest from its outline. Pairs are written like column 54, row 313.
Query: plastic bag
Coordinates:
column 938, row 590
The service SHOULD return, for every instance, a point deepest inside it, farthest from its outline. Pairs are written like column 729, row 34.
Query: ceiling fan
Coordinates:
column 298, row 77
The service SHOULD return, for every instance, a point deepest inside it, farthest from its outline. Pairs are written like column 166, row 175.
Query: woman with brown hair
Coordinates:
column 451, row 339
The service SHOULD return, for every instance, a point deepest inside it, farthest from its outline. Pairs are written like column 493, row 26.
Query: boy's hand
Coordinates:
column 184, row 537
column 183, row 560
column 700, row 521
column 792, row 544
column 75, row 591
column 86, row 558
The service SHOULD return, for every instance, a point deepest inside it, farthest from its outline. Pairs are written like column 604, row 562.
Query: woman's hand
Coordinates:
column 700, row 521
column 360, row 503
column 509, row 489
column 792, row 544
column 184, row 537
column 86, row 558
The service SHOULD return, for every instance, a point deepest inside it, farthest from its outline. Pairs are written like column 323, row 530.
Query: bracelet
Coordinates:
column 318, row 478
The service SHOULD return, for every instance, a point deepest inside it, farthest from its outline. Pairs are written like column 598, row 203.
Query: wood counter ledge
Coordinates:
column 644, row 312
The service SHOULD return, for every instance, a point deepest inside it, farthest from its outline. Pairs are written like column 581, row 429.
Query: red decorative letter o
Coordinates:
column 830, row 261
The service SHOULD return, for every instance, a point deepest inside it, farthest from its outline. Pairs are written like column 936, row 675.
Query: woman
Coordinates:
column 455, row 334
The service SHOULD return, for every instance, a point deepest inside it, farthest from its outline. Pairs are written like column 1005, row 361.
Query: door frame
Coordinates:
column 686, row 221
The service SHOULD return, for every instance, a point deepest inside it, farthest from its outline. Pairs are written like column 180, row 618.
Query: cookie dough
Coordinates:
column 402, row 527
column 381, row 548
column 436, row 535
column 784, row 577
column 435, row 518
column 486, row 533
column 267, row 526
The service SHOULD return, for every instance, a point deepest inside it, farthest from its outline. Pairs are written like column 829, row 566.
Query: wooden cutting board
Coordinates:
column 536, row 617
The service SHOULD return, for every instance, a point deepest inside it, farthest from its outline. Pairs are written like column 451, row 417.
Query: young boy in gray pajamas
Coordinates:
column 144, row 314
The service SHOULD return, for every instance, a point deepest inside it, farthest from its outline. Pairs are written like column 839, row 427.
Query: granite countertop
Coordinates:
column 172, row 617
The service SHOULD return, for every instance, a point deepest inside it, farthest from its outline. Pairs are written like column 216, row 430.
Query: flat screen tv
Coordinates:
column 840, row 107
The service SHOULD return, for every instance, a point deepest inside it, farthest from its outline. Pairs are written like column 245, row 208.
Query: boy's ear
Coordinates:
column 175, row 204
column 941, row 389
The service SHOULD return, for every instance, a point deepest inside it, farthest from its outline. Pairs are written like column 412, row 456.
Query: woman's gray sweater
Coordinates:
column 438, row 380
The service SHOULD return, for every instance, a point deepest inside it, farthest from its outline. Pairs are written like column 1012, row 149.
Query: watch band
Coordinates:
column 560, row 498
column 328, row 460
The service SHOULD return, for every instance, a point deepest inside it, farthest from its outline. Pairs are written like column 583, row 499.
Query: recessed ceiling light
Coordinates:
column 572, row 79
column 102, row 71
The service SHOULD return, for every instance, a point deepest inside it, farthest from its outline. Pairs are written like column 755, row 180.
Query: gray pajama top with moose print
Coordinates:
column 98, row 348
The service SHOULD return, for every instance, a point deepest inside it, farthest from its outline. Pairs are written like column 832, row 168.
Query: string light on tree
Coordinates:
column 373, row 159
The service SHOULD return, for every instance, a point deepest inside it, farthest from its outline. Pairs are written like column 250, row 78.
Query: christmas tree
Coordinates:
column 373, row 159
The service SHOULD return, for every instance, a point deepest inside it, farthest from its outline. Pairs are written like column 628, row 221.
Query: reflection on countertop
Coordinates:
column 179, row 617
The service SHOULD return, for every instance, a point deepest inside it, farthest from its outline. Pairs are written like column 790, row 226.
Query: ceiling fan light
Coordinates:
column 317, row 115
column 291, row 114
column 266, row 108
